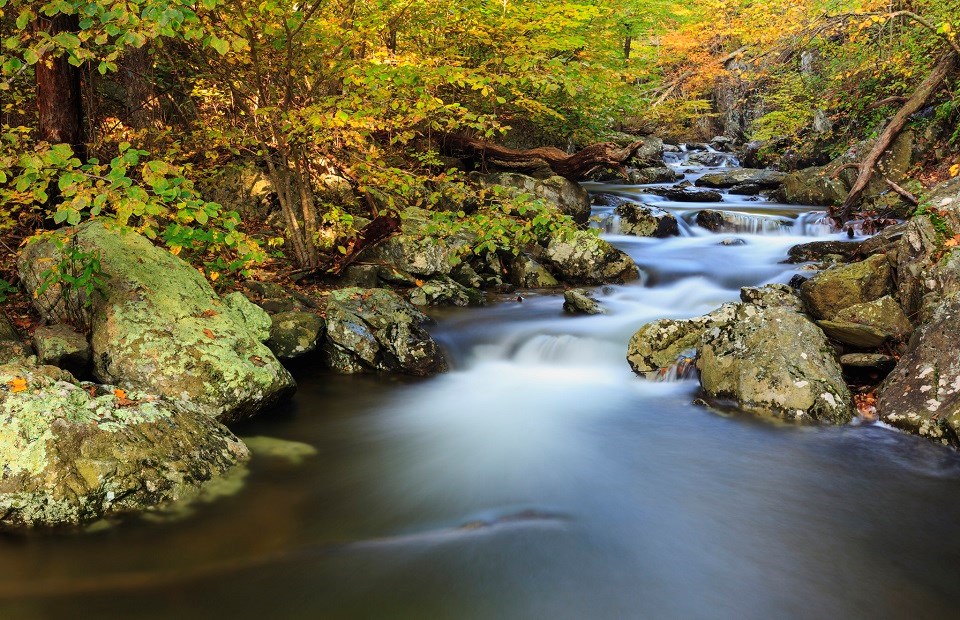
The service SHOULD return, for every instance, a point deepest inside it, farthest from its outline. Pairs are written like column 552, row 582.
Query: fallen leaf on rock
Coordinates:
column 209, row 334
column 18, row 384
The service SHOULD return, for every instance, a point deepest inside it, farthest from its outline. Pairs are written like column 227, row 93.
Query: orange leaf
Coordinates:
column 209, row 334
column 18, row 384
column 419, row 283
column 120, row 394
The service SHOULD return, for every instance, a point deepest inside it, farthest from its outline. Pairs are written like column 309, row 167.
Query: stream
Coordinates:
column 541, row 478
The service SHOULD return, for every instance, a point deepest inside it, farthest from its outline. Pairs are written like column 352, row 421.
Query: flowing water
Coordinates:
column 540, row 478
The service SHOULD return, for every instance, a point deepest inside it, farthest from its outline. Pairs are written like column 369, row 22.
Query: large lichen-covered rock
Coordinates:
column 62, row 346
column 870, row 324
column 843, row 286
column 922, row 394
column 159, row 327
column 250, row 315
column 584, row 258
column 913, row 257
column 415, row 251
column 768, row 179
column 376, row 330
column 658, row 345
column 293, row 334
column 813, row 186
column 643, row 221
column 525, row 272
column 445, row 291
column 774, row 361
column 771, row 296
column 73, row 453
column 564, row 195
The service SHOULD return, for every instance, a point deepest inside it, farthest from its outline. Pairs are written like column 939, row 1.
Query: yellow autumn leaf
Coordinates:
column 175, row 250
column 18, row 384
column 214, row 276
column 954, row 170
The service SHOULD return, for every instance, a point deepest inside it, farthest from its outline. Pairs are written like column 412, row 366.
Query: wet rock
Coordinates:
column 293, row 452
column 733, row 241
column 528, row 273
column 580, row 301
column 771, row 296
column 869, row 325
column 816, row 250
column 465, row 275
column 585, row 258
column 62, row 346
column 679, row 194
column 767, row 179
column 159, row 327
column 659, row 344
column 293, row 334
column 747, row 189
column 774, row 361
column 729, row 221
column 444, row 291
column 813, row 186
column 840, row 287
column 644, row 221
column 74, row 453
column 375, row 330
column 653, row 174
column 922, row 394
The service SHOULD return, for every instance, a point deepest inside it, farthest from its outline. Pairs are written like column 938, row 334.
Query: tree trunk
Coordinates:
column 59, row 99
column 627, row 45
column 136, row 71
column 916, row 101
column 575, row 167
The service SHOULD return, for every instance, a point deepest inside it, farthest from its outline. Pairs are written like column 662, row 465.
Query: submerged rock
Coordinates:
column 159, row 327
column 774, row 361
column 585, row 258
column 922, row 394
column 840, row 287
column 376, row 330
column 74, row 453
column 580, row 301
column 644, row 221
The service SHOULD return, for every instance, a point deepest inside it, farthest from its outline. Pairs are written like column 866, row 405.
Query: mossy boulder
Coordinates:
column 564, row 195
column 293, row 334
column 525, row 272
column 375, row 330
column 584, row 258
column 870, row 324
column 74, row 453
column 649, row 175
column 776, row 362
column 922, row 394
column 159, row 327
column 415, row 251
column 659, row 344
column 813, row 186
column 62, row 346
column 843, row 286
column 643, row 221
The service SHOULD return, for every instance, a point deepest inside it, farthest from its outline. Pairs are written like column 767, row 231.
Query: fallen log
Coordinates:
column 576, row 167
column 917, row 100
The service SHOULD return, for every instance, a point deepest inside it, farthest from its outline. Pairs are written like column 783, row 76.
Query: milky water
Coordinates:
column 540, row 478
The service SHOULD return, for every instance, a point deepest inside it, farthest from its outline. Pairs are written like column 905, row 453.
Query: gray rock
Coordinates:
column 874, row 361
column 768, row 179
column 771, row 296
column 585, row 258
column 293, row 334
column 653, row 174
column 840, row 287
column 774, row 361
column 375, row 330
column 580, row 301
column 62, row 346
column 644, row 221
column 659, row 344
column 813, row 186
column 681, row 194
column 566, row 196
column 816, row 250
column 75, row 453
column 707, row 159
column 922, row 394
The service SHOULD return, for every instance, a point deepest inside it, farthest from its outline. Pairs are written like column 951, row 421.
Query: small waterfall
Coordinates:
column 684, row 368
